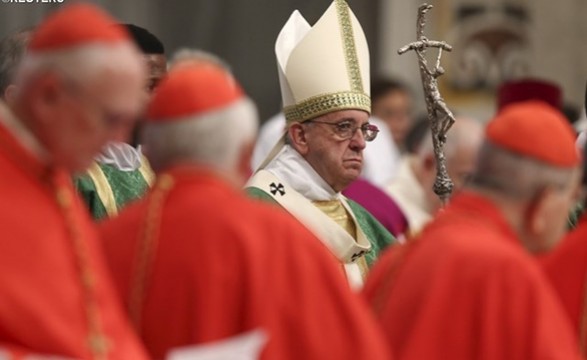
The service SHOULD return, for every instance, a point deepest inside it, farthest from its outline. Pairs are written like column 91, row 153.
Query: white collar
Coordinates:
column 293, row 169
column 24, row 136
column 122, row 156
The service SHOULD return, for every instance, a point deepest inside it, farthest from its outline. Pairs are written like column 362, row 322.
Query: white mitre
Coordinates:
column 322, row 68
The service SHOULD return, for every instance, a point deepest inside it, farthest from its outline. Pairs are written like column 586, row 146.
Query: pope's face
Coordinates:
column 338, row 161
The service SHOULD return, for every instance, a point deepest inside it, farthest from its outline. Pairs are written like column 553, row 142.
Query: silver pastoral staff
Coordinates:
column 439, row 116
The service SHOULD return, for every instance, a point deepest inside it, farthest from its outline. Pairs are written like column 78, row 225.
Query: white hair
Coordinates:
column 516, row 176
column 83, row 62
column 197, row 55
column 214, row 139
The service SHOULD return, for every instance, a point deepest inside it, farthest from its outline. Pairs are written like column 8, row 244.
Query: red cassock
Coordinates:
column 466, row 289
column 566, row 267
column 11, row 352
column 56, row 297
column 197, row 261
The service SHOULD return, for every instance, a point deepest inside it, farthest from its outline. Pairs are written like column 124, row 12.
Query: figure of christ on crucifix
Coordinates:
column 439, row 116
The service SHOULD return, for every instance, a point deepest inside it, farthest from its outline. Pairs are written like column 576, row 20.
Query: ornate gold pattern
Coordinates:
column 336, row 211
column 98, row 342
column 350, row 50
column 147, row 248
column 326, row 103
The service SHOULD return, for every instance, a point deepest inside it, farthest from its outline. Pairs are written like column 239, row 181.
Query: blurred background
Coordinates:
column 493, row 40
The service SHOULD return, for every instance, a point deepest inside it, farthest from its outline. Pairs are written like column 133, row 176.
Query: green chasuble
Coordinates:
column 378, row 236
column 106, row 189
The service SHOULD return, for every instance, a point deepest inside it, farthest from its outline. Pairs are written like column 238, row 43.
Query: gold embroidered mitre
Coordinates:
column 323, row 68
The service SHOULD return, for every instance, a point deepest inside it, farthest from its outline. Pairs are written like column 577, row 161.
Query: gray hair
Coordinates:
column 214, row 139
column 12, row 49
column 516, row 176
column 81, row 63
column 197, row 55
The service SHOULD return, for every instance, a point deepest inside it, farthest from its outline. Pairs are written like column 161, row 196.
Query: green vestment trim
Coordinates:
column 378, row 236
column 124, row 186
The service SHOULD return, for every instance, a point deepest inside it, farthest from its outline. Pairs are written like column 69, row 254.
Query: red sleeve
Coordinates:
column 317, row 304
column 566, row 268
column 118, row 237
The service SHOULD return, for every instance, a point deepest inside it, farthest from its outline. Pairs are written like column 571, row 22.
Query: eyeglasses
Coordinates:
column 346, row 129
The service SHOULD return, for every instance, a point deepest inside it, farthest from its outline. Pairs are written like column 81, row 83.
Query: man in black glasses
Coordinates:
column 324, row 77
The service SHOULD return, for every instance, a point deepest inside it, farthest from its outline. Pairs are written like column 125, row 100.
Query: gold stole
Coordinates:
column 147, row 171
column 104, row 189
column 337, row 212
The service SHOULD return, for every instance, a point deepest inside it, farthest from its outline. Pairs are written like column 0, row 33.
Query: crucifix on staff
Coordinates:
column 440, row 117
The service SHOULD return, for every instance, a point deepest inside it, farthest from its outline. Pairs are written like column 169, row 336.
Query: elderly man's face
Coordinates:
column 76, row 119
column 338, row 161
